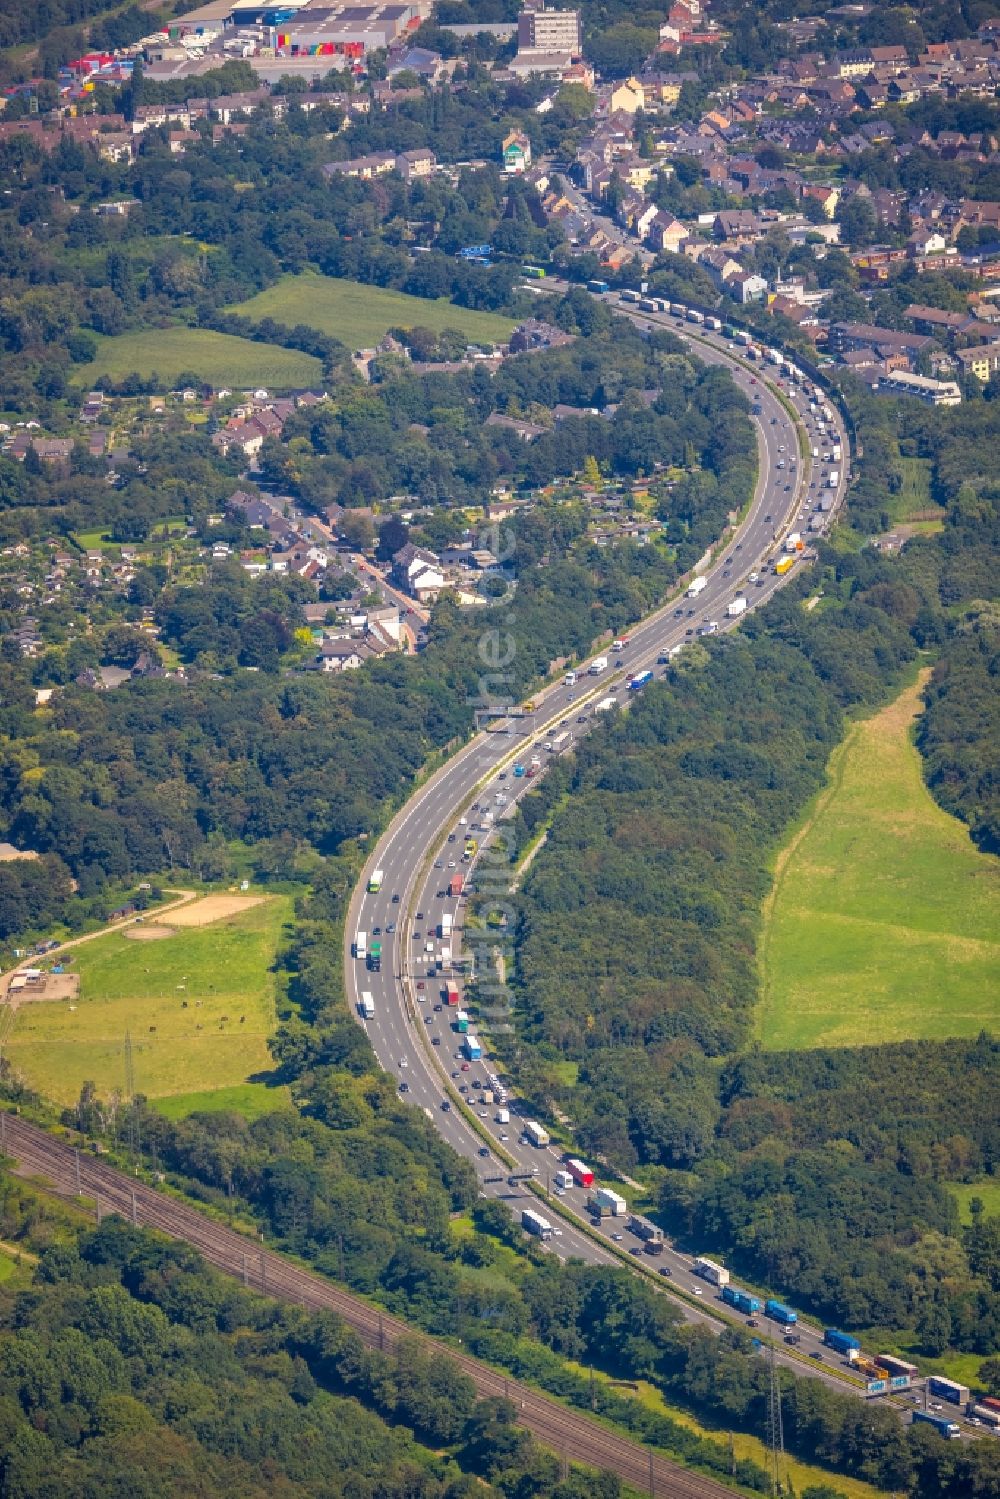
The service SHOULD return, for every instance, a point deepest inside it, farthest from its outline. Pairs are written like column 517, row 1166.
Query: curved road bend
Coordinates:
column 418, row 861
column 567, row 1432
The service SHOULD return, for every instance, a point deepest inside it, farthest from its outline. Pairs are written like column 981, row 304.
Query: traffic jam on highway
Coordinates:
column 406, row 966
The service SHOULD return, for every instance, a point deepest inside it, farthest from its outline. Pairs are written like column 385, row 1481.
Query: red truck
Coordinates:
column 455, row 886
column 452, row 995
column 581, row 1174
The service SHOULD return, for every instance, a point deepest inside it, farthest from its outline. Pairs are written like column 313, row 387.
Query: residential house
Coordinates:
column 418, row 572
column 745, row 286
column 516, row 152
column 628, row 97
column 981, row 361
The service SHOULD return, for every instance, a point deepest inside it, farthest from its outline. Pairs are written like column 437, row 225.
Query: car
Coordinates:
column 465, row 1066
column 617, row 1238
column 698, row 1291
column 463, row 1087
column 376, row 931
column 729, row 561
column 816, row 1354
column 502, row 776
column 636, row 1251
column 395, row 900
column 403, row 1062
column 451, row 837
column 557, row 1233
column 688, row 632
column 504, row 1137
column 421, row 999
column 435, row 1040
column 665, row 1270
column 420, row 915
column 438, row 1007
column 422, row 985
column 767, row 518
column 428, row 1020
column 484, row 1150
column 438, row 863
column 416, row 936
column 404, row 1086
column 390, row 928
column 445, row 1106
column 678, row 612
column 751, row 1322
column 935, row 1406
column 476, row 1083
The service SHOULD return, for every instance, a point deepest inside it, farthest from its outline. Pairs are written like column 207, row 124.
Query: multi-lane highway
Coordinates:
column 411, row 1026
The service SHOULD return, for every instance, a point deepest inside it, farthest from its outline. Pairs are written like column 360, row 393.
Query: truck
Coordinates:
column 836, row 452
column 840, row 1342
column 737, row 607
column 784, row 565
column 502, row 1116
column 834, row 478
column 472, row 1048
column 570, row 679
column 361, row 945
column 605, row 705
column 455, row 886
column 471, row 848
column 599, row 664
column 990, row 1402
column 648, row 304
column 563, row 1180
column 444, row 925
column 559, row 742
column 893, row 1365
column 598, row 286
column 620, row 644
column 375, row 883
column 652, row 1233
column 462, row 1022
column 985, row 1415
column 534, row 1223
column 696, row 586
column 948, row 1389
column 375, row 956
column 815, row 452
column 607, row 1201
column 366, row 1006
column 714, row 323
column 629, row 296
column 944, row 1428
column 778, row 1312
column 536, row 1133
column 741, row 1300
column 452, row 996
column 581, row 1174
column 792, row 541
column 638, row 682
column 715, row 1274
column 693, row 316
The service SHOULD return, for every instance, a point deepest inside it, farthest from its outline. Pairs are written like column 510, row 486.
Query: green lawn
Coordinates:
column 360, row 315
column 987, row 1190
column 881, row 925
column 218, row 358
column 249, row 1099
column 172, row 996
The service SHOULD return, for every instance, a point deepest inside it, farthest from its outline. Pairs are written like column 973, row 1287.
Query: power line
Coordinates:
column 775, row 1430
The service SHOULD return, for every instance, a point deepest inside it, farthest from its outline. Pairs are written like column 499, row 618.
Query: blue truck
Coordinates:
column 778, row 1312
column 945, row 1428
column 598, row 286
column 639, row 681
column 841, row 1342
column 741, row 1300
column 948, row 1389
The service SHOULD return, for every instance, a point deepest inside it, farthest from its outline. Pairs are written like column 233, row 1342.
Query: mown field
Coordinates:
column 217, row 358
column 200, row 1006
column 360, row 315
column 881, row 925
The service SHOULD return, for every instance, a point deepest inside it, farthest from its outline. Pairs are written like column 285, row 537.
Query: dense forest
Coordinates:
column 637, row 925
column 129, row 1366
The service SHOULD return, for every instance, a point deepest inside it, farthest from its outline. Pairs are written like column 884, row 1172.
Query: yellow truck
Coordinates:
column 784, row 565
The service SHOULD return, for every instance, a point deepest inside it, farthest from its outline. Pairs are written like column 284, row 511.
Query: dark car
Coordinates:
column 428, row 1020
column 445, row 1106
column 437, row 1007
column 816, row 1354
column 484, row 1150
column 404, row 1087
column 376, row 931
column 420, row 915
column 665, row 1270
column 635, row 1251
column 435, row 1040
column 395, row 900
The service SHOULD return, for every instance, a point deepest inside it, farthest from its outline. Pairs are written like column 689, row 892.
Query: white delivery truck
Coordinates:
column 834, row 478
column 502, row 1116
column 563, row 1180
column 606, row 1202
column 696, row 586
column 536, row 1134
column 715, row 1274
column 737, row 607
column 534, row 1223
column 599, row 664
column 570, row 679
column 444, row 925
column 367, row 1006
column 792, row 541
column 361, row 945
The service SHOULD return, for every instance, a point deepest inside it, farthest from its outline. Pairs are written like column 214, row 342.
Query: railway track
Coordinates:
column 570, row 1435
